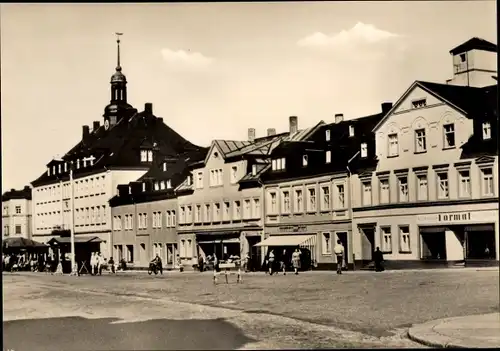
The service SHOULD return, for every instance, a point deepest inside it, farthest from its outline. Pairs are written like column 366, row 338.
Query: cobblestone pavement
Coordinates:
column 305, row 311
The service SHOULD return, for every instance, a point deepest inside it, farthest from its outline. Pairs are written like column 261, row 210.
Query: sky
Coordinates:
column 213, row 70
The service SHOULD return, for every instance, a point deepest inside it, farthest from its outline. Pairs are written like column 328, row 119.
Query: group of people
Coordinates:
column 22, row 262
column 283, row 260
column 98, row 262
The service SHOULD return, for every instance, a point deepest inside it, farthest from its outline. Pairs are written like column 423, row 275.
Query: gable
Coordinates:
column 214, row 154
column 417, row 93
column 485, row 160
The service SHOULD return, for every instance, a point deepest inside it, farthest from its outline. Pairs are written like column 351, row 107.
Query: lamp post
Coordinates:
column 74, row 268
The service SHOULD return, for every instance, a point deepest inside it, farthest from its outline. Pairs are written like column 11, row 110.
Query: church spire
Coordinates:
column 118, row 67
column 118, row 79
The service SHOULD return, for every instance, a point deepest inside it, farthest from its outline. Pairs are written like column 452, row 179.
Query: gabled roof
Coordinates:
column 468, row 100
column 474, row 43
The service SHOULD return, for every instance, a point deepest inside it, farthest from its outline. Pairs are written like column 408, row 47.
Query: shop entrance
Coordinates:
column 255, row 253
column 367, row 243
column 480, row 242
column 433, row 245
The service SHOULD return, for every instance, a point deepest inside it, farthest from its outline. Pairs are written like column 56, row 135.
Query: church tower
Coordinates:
column 474, row 63
column 118, row 106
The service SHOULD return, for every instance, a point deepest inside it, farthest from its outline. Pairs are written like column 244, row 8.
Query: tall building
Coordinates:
column 16, row 213
column 123, row 149
column 430, row 194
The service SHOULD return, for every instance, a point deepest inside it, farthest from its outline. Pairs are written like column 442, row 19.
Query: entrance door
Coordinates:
column 255, row 253
column 433, row 245
column 367, row 243
column 342, row 236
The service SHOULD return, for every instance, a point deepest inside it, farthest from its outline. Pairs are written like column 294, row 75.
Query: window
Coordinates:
column 384, row 191
column 422, row 193
column 118, row 223
column 367, row 193
column 256, row 208
column 420, row 142
column 78, row 164
column 237, row 210
column 462, row 57
column 464, row 177
column 351, row 130
column 143, row 187
column 254, row 169
column 164, row 166
column 404, row 239
column 65, row 166
column 449, row 135
column 157, row 186
column 162, row 185
column 403, row 188
column 487, row 181
column 234, row 174
column 169, row 184
column 5, row 230
column 325, row 201
column 278, row 164
column 189, row 249
column 285, row 196
column 327, row 135
column 304, row 160
column 442, row 185
column 364, row 150
column 206, row 214
column 197, row 214
column 299, row 203
column 311, row 203
column 247, row 210
column 216, row 212
column 326, row 247
column 18, row 229
column 130, row 253
column 169, row 217
column 150, row 156
column 174, row 219
column 328, row 156
column 419, row 103
column 199, row 180
column 393, row 145
column 18, row 209
column 144, row 156
column 226, row 214
column 486, row 130
column 182, row 248
column 6, row 210
column 182, row 215
column 272, row 203
column 59, row 168
column 189, row 214
column 386, row 239
column 340, row 196
column 215, row 177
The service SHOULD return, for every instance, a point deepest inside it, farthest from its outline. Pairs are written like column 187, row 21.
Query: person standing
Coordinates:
column 100, row 263
column 112, row 264
column 92, row 263
column 378, row 258
column 271, row 262
column 283, row 262
column 296, row 261
column 339, row 254
column 201, row 263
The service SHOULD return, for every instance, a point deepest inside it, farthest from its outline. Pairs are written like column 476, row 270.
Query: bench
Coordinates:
column 227, row 269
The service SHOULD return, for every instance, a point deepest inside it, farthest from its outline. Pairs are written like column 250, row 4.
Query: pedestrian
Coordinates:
column 112, row 264
column 246, row 262
column 159, row 263
column 339, row 254
column 296, row 261
column 487, row 252
column 271, row 262
column 201, row 263
column 100, row 263
column 378, row 258
column 216, row 263
column 92, row 263
column 283, row 262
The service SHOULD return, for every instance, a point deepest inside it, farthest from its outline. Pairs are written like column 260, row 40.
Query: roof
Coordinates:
column 14, row 194
column 78, row 239
column 474, row 43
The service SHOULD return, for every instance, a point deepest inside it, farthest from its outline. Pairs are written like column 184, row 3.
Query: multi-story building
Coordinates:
column 307, row 190
column 430, row 194
column 16, row 213
column 220, row 203
column 120, row 151
column 145, row 213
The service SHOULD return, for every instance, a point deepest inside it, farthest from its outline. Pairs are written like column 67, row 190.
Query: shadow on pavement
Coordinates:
column 78, row 333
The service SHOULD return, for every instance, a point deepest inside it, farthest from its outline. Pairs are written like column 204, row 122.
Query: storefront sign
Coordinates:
column 458, row 217
column 293, row 228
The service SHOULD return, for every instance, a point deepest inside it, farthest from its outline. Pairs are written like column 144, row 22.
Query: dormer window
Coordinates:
column 254, row 170
column 78, row 164
column 65, row 166
column 364, row 150
column 48, row 171
column 143, row 187
column 157, row 186
column 278, row 164
column 144, row 156
column 169, row 184
column 53, row 169
column 162, row 185
column 419, row 103
column 59, row 168
column 84, row 162
column 91, row 159
column 328, row 156
column 189, row 180
column 327, row 135
column 305, row 159
column 463, row 57
column 150, row 155
column 486, row 130
column 129, row 190
column 164, row 166
column 351, row 130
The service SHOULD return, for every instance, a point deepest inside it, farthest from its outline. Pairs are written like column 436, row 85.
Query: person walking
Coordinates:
column 378, row 258
column 296, row 261
column 201, row 263
column 271, row 262
column 111, row 263
column 100, row 263
column 339, row 254
column 93, row 263
column 246, row 262
column 283, row 262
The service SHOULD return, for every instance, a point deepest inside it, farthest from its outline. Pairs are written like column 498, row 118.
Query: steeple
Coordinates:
column 118, row 79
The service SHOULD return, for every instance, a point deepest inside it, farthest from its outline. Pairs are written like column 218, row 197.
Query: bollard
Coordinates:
column 225, row 273
column 239, row 276
column 215, row 277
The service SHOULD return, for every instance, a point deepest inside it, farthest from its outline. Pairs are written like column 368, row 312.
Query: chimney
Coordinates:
column 386, row 106
column 122, row 190
column 339, row 117
column 148, row 108
column 160, row 120
column 251, row 134
column 96, row 126
column 294, row 124
column 271, row 131
column 85, row 132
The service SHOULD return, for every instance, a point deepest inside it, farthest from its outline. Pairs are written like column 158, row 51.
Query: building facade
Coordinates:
column 16, row 213
column 430, row 194
column 74, row 192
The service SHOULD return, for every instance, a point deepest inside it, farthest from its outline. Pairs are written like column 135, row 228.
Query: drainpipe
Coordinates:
column 349, row 189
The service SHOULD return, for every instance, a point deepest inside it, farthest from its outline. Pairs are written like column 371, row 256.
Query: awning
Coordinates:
column 289, row 240
column 221, row 241
column 78, row 239
column 432, row 229
column 480, row 228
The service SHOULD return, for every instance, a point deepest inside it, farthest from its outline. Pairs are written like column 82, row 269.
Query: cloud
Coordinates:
column 362, row 38
column 186, row 58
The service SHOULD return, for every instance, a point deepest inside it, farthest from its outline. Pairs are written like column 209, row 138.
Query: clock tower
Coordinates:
column 118, row 106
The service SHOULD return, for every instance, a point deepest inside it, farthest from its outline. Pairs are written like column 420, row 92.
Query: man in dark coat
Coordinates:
column 378, row 258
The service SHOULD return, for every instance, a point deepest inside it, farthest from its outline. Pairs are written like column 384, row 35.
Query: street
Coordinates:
column 186, row 311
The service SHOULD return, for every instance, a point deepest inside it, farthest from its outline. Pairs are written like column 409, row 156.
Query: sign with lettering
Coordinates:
column 293, row 228
column 458, row 217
